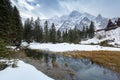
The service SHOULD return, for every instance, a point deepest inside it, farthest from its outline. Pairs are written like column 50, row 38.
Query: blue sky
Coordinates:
column 49, row 8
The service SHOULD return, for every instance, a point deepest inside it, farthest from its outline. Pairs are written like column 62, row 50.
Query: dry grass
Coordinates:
column 109, row 59
column 17, row 54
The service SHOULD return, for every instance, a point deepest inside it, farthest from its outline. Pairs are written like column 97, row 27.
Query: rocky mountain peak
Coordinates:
column 74, row 13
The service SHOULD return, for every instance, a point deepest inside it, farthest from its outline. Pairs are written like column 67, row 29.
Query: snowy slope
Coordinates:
column 112, row 35
column 62, row 47
column 22, row 72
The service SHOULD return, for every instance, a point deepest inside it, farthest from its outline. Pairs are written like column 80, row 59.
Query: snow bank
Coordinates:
column 24, row 44
column 112, row 35
column 22, row 72
column 62, row 47
column 93, row 40
column 11, row 47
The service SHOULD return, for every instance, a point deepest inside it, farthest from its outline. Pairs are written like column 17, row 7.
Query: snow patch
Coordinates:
column 23, row 72
column 63, row 47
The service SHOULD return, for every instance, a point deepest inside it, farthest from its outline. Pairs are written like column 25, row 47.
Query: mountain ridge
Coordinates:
column 78, row 20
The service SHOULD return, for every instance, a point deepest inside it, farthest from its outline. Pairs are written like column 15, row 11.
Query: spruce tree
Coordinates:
column 5, row 20
column 46, row 32
column 118, row 22
column 58, row 36
column 76, row 35
column 79, row 35
column 71, row 36
column 17, row 27
column 87, row 32
column 91, row 30
column 83, row 33
column 110, row 24
column 65, row 37
column 38, row 31
column 10, row 26
column 28, row 30
column 53, row 33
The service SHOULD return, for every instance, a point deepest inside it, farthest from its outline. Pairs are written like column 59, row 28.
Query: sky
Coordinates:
column 46, row 9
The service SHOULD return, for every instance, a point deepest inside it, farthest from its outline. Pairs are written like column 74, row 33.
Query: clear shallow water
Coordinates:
column 72, row 69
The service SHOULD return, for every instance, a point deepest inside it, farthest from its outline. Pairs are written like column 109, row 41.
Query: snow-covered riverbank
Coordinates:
column 62, row 47
column 22, row 72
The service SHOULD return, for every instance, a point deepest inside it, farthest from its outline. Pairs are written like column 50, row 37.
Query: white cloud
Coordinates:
column 50, row 8
column 27, row 10
column 30, row 0
column 38, row 5
column 24, row 4
column 70, row 5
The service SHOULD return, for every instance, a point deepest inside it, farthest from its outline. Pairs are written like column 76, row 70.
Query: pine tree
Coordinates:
column 91, row 30
column 87, row 31
column 5, row 20
column 38, row 36
column 46, row 32
column 110, row 24
column 118, row 22
column 79, row 35
column 53, row 33
column 10, row 26
column 58, row 36
column 28, row 30
column 65, row 36
column 17, row 27
column 76, row 35
column 10, row 22
column 71, row 36
column 83, row 33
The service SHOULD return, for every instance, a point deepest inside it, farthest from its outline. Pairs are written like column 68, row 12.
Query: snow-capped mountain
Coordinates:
column 100, row 22
column 78, row 20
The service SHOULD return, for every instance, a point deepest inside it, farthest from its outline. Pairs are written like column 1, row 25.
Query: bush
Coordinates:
column 93, row 43
column 3, row 50
column 105, row 43
column 3, row 65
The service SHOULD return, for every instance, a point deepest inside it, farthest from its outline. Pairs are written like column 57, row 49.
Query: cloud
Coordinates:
column 107, row 8
column 49, row 8
column 30, row 0
column 28, row 8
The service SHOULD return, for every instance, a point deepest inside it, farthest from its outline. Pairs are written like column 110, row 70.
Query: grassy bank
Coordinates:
column 109, row 59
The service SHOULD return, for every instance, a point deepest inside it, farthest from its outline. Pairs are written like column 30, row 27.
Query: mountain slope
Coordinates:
column 78, row 20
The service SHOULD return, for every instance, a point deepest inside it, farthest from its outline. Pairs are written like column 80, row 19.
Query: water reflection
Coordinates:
column 78, row 69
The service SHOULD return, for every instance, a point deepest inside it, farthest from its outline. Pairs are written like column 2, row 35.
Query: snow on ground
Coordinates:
column 93, row 40
column 113, row 35
column 24, row 44
column 23, row 72
column 10, row 47
column 62, row 47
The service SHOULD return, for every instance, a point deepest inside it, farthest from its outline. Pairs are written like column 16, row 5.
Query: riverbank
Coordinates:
column 21, row 71
column 64, row 47
column 50, row 63
column 109, row 59
column 20, row 67
column 59, row 67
